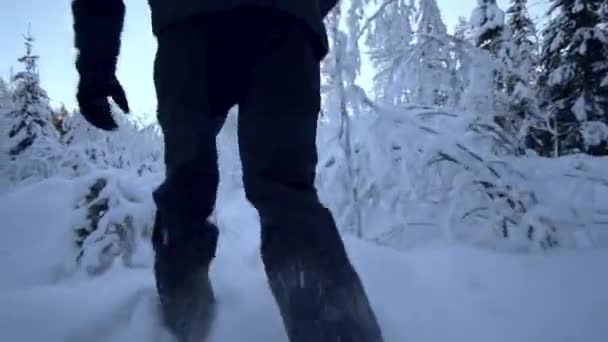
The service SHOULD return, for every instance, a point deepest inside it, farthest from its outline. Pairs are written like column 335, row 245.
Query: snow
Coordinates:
column 435, row 293
column 594, row 133
column 580, row 108
column 34, row 244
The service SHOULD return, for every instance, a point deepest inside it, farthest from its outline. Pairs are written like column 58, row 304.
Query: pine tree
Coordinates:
column 31, row 137
column 575, row 62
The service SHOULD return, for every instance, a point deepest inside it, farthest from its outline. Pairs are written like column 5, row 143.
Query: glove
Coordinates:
column 98, row 82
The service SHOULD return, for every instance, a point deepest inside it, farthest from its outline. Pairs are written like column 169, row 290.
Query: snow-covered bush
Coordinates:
column 427, row 174
column 118, row 172
column 131, row 147
column 113, row 219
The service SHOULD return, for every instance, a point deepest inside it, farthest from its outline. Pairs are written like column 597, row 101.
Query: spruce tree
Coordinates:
column 520, row 60
column 31, row 117
column 32, row 139
column 523, row 43
column 488, row 32
column 575, row 63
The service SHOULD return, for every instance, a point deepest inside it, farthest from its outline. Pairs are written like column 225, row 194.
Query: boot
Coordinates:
column 319, row 294
column 317, row 307
column 181, row 269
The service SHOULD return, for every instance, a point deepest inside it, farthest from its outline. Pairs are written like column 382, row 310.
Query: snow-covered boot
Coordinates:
column 319, row 294
column 182, row 278
column 316, row 307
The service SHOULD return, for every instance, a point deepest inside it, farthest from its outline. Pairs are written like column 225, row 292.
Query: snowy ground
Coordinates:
column 440, row 293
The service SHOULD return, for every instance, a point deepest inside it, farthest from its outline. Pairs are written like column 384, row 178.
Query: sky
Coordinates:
column 50, row 22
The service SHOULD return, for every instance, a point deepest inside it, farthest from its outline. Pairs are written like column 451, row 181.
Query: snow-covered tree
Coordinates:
column 604, row 25
column 112, row 221
column 389, row 29
column 341, row 105
column 116, row 173
column 132, row 148
column 519, row 58
column 462, row 30
column 435, row 61
column 4, row 91
column 59, row 115
column 389, row 35
column 523, row 44
column 511, row 98
column 575, row 63
column 5, row 105
column 429, row 19
column 32, row 139
column 487, row 22
column 420, row 71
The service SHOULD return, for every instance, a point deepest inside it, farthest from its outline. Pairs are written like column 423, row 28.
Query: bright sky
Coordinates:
column 51, row 24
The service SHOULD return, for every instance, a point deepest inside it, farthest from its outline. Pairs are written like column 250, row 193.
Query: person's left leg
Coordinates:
column 319, row 294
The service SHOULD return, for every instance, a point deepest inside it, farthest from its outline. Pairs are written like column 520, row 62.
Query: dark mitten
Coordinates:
column 97, row 83
column 97, row 28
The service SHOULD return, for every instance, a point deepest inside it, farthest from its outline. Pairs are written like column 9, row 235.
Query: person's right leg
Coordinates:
column 193, row 99
column 319, row 294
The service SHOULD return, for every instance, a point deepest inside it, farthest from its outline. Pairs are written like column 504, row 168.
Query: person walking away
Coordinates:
column 263, row 56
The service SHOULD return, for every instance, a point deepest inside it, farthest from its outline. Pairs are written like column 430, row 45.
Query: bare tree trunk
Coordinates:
column 345, row 128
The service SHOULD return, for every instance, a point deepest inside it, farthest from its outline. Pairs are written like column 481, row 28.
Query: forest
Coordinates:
column 492, row 135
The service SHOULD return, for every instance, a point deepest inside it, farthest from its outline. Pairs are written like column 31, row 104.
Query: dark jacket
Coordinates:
column 98, row 23
column 310, row 12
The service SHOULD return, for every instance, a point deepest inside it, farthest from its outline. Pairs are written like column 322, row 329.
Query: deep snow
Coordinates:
column 433, row 294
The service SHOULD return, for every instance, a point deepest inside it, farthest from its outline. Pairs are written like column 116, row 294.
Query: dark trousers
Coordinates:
column 263, row 62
